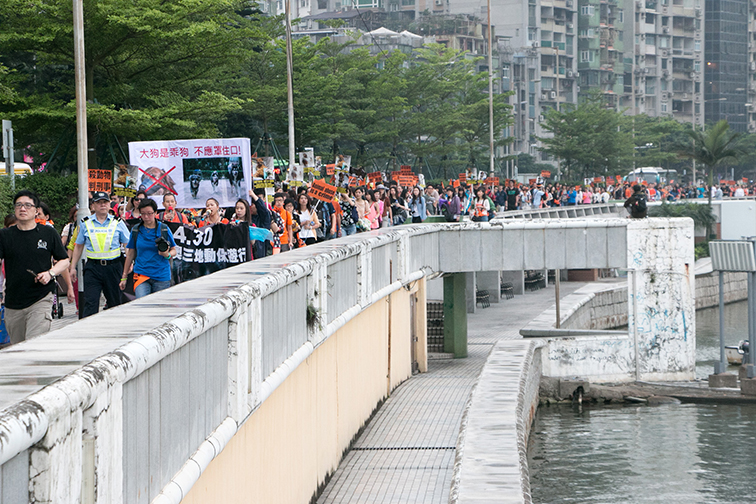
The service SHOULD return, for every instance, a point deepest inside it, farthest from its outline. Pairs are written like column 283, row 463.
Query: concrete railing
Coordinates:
column 134, row 404
column 568, row 212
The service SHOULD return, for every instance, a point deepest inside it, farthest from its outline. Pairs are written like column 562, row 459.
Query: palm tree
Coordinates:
column 711, row 148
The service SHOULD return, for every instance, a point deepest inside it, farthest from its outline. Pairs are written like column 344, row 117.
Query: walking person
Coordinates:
column 28, row 250
column 150, row 250
column 99, row 240
column 636, row 203
column 417, row 205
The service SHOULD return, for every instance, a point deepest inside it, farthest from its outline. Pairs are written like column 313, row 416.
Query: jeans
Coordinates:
column 150, row 286
column 348, row 230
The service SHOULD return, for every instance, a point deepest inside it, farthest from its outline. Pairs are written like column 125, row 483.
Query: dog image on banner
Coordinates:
column 194, row 170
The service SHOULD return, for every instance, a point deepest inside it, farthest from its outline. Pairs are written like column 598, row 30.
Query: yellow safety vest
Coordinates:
column 101, row 238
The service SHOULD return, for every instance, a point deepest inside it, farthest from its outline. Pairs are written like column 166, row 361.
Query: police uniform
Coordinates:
column 104, row 266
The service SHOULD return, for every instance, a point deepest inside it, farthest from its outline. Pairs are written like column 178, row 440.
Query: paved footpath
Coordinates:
column 406, row 453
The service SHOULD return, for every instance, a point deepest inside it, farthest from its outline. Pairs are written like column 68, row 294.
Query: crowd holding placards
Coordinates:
column 136, row 247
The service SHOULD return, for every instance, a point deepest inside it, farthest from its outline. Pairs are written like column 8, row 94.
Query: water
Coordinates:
column 687, row 454
column 690, row 453
column 707, row 334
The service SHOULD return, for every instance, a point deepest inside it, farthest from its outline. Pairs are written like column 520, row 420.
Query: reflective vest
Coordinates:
column 101, row 239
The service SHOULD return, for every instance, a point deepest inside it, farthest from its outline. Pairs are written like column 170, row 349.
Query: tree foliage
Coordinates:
column 205, row 68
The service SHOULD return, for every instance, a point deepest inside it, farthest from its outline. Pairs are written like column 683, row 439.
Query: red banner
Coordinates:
column 375, row 177
column 545, row 174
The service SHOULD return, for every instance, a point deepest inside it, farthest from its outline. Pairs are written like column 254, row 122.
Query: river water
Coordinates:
column 686, row 454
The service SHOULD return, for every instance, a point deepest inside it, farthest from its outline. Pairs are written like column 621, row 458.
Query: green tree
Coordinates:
column 711, row 148
column 153, row 68
column 588, row 139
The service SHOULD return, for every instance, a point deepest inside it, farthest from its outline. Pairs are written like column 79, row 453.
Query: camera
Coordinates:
column 162, row 244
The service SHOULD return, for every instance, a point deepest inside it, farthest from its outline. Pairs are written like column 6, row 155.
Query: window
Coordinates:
column 621, row 16
column 697, row 45
column 697, row 66
column 505, row 72
column 663, row 42
column 586, row 56
column 586, row 10
column 664, row 107
column 547, row 83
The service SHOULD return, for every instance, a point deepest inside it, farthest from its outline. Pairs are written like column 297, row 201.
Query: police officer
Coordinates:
column 100, row 237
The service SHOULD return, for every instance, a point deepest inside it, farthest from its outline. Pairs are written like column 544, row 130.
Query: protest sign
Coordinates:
column 101, row 180
column 322, row 191
column 124, row 184
column 341, row 171
column 194, row 170
column 463, row 178
column 545, row 174
column 492, row 181
column 375, row 177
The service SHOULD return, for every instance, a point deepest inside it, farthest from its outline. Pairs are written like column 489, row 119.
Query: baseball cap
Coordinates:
column 99, row 196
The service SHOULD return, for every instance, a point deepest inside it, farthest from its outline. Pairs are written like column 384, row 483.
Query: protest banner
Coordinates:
column 124, row 184
column 341, row 171
column 598, row 180
column 455, row 183
column 322, row 191
column 194, row 170
column 463, row 178
column 745, row 180
column 307, row 162
column 619, row 178
column 208, row 249
column 492, row 181
column 264, row 175
column 545, row 174
column 532, row 181
column 375, row 177
column 100, row 180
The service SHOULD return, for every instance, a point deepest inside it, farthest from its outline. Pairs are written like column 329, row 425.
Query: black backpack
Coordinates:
column 640, row 204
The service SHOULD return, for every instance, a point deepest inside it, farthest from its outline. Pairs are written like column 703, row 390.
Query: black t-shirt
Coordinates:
column 25, row 251
column 512, row 198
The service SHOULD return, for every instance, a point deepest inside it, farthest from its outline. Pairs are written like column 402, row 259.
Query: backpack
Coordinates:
column 639, row 205
column 161, row 227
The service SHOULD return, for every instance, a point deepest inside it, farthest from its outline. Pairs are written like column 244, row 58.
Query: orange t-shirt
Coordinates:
column 286, row 218
column 204, row 223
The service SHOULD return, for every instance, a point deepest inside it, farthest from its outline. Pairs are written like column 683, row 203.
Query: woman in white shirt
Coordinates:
column 308, row 219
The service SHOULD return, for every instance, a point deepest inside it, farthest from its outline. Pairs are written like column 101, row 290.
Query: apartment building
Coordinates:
column 751, row 94
column 601, row 48
column 664, row 59
column 727, row 62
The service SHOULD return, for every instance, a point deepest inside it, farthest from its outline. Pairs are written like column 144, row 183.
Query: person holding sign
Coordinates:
column 308, row 219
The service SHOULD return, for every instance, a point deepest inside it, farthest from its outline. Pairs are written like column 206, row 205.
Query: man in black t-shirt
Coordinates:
column 513, row 195
column 28, row 250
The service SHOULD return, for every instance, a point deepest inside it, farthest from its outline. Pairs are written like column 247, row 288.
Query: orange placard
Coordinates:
column 598, row 180
column 100, row 180
column 455, row 183
column 405, row 169
column 330, row 168
column 545, row 174
column 494, row 181
column 322, row 191
column 619, row 178
column 531, row 181
column 375, row 177
column 407, row 180
column 463, row 178
column 745, row 180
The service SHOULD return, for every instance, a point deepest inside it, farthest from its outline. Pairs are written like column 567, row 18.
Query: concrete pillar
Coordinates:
column 470, row 291
column 516, row 278
column 455, row 314
column 661, row 311
column 490, row 281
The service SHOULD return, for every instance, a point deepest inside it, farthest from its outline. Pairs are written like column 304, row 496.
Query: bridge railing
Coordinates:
column 132, row 404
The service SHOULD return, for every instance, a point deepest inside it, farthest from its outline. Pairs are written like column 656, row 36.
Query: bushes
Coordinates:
column 58, row 191
column 700, row 213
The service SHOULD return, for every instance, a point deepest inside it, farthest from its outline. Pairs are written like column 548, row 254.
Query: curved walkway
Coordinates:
column 406, row 453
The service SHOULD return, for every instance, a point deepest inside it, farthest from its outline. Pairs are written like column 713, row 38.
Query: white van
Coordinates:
column 652, row 175
column 21, row 169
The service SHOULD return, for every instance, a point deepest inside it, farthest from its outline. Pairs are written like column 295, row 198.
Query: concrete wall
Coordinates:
column 297, row 437
column 660, row 344
column 707, row 289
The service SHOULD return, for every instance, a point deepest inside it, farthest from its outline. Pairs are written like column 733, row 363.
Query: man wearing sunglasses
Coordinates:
column 100, row 238
column 29, row 250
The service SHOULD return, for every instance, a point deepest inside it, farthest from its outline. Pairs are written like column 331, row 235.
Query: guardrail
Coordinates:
column 566, row 212
column 132, row 404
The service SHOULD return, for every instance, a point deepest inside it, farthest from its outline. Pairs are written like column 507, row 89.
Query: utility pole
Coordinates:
column 289, row 86
column 81, row 110
column 490, row 94
column 8, row 153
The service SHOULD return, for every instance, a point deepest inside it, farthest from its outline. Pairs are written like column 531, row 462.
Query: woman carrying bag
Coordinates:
column 150, row 250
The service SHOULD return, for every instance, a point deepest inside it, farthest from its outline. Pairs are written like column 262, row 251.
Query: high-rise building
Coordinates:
column 664, row 68
column 600, row 47
column 727, row 62
column 751, row 94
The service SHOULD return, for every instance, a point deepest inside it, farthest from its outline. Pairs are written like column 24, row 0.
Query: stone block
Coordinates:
column 723, row 380
column 748, row 386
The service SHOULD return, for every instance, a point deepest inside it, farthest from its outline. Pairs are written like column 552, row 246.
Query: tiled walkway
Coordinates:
column 406, row 453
